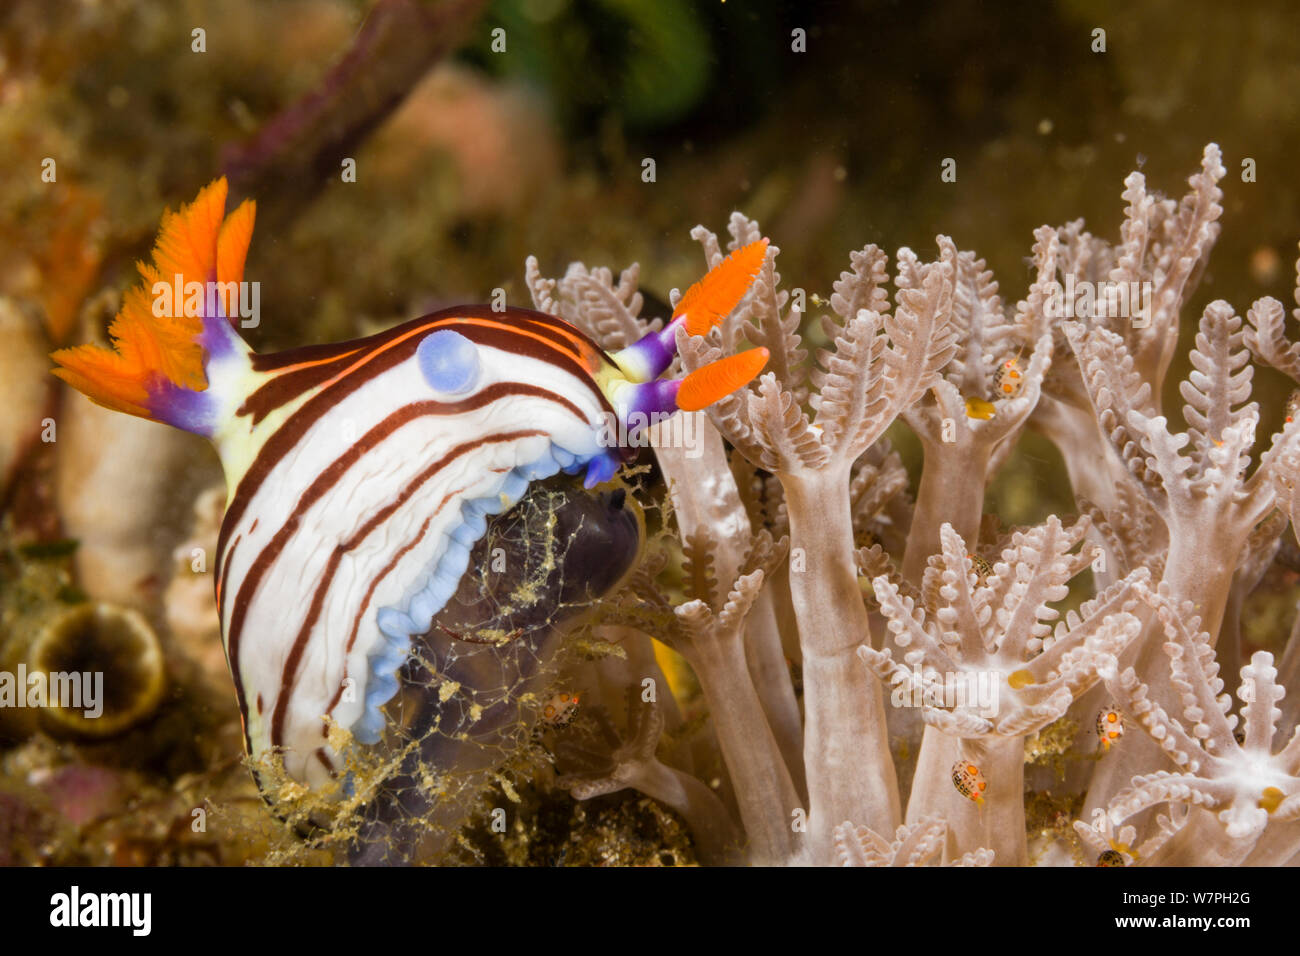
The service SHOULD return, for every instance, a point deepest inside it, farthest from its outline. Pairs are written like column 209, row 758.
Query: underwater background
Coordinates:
column 482, row 133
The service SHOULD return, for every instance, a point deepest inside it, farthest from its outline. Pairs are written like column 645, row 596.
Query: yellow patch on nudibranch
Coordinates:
column 1020, row 678
column 1270, row 799
column 980, row 409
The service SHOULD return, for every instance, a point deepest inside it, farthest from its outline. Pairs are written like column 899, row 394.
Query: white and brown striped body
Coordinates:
column 360, row 475
column 350, row 475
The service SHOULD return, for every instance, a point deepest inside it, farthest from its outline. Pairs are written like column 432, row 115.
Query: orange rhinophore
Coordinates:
column 711, row 300
column 704, row 386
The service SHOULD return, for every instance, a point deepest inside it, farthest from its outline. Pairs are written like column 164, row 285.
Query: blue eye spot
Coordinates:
column 448, row 361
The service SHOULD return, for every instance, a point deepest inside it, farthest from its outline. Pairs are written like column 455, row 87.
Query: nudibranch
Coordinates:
column 1110, row 727
column 1008, row 377
column 361, row 475
column 969, row 781
column 560, row 710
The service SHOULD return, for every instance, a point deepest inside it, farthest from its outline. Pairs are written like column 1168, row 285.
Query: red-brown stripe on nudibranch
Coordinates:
column 332, row 474
column 365, row 603
column 292, row 662
column 287, row 436
column 384, row 572
column 314, row 366
column 319, row 753
column 222, row 571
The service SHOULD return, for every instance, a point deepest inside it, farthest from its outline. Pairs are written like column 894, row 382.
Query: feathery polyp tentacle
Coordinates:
column 1259, row 692
column 1266, row 336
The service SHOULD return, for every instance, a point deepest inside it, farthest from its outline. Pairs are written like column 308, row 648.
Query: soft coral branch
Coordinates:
column 994, row 630
column 632, row 762
column 960, row 448
column 880, row 365
column 1239, row 786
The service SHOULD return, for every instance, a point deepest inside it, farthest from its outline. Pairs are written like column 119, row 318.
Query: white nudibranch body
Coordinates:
column 353, row 525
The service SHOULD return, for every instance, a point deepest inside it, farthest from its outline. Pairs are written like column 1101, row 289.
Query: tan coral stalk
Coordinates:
column 951, row 491
column 881, row 363
column 999, row 820
column 846, row 748
column 764, row 790
column 705, row 496
column 633, row 763
column 959, row 447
